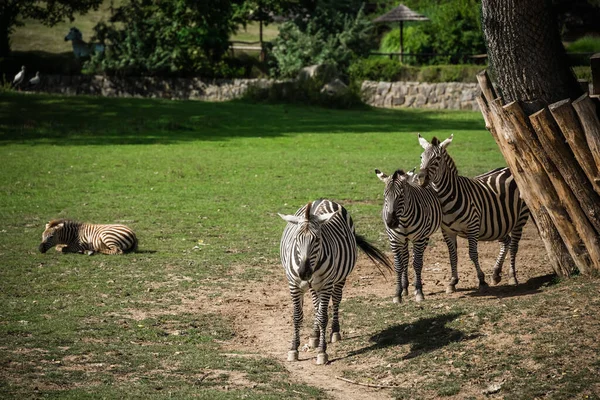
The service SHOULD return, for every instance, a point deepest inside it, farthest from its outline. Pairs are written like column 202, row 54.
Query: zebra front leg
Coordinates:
column 324, row 297
column 401, row 267
column 297, row 301
column 497, row 276
column 450, row 239
column 473, row 254
column 313, row 340
column 418, row 250
column 335, row 322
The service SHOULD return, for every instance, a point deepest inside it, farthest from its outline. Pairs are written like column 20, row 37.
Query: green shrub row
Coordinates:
column 388, row 70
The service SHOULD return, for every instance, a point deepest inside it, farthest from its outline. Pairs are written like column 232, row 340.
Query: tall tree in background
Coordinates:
column 526, row 52
column 49, row 12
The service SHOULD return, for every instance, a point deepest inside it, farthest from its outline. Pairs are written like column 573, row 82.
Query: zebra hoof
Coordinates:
column 322, row 359
column 313, row 342
column 483, row 287
column 292, row 355
column 397, row 299
column 336, row 337
column 404, row 292
column 513, row 281
column 419, row 296
column 450, row 289
column 496, row 279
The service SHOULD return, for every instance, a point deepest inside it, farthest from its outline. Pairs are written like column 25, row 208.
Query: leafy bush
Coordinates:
column 326, row 38
column 162, row 37
column 384, row 69
column 586, row 44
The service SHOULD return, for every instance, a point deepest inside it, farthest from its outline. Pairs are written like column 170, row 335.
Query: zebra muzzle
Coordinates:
column 43, row 248
column 305, row 271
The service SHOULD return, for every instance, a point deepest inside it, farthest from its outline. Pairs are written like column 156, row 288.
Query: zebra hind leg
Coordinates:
column 514, row 248
column 335, row 321
column 504, row 245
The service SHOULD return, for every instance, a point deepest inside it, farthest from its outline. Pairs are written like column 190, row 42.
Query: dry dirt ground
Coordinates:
column 262, row 311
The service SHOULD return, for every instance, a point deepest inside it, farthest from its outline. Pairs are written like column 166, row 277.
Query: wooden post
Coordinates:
column 560, row 257
column 567, row 120
column 586, row 111
column 595, row 66
column 571, row 183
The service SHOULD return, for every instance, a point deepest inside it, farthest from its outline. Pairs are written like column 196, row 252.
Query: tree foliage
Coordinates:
column 328, row 32
column 49, row 12
column 152, row 36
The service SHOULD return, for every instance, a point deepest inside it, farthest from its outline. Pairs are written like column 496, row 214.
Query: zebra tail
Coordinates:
column 377, row 256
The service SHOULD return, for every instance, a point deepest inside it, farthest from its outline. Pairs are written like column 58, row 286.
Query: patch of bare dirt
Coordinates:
column 262, row 312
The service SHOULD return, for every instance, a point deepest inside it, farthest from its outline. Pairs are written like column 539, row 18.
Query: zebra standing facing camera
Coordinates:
column 76, row 237
column 318, row 251
column 413, row 213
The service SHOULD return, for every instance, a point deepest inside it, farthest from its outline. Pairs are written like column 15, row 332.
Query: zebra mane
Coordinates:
column 399, row 172
column 450, row 164
column 56, row 222
column 307, row 211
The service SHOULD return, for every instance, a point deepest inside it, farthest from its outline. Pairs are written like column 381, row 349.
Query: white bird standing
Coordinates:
column 35, row 80
column 19, row 77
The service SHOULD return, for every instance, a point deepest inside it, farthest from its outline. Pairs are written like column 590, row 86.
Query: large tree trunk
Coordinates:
column 547, row 131
column 526, row 53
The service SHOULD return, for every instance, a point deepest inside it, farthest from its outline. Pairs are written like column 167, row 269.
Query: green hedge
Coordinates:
column 385, row 69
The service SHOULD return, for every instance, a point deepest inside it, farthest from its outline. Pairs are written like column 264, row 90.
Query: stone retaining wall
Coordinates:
column 451, row 95
column 456, row 96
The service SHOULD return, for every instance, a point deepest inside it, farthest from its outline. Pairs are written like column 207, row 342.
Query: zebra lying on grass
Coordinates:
column 76, row 237
column 487, row 207
column 413, row 213
column 318, row 251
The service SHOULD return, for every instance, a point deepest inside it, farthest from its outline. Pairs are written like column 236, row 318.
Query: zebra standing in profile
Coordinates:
column 318, row 251
column 410, row 212
column 487, row 207
column 75, row 237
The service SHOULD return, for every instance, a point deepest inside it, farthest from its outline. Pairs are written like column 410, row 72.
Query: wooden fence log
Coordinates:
column 565, row 116
column 586, row 111
column 573, row 187
column 559, row 255
column 487, row 89
column 539, row 183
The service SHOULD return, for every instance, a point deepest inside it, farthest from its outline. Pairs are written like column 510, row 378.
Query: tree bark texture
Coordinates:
column 526, row 53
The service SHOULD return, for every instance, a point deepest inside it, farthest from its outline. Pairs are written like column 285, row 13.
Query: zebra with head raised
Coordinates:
column 484, row 208
column 410, row 212
column 75, row 237
column 318, row 251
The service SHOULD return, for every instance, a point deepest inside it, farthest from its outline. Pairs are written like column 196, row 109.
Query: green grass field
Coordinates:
column 201, row 184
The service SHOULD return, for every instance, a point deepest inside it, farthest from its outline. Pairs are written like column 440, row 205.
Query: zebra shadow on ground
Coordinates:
column 424, row 335
column 504, row 290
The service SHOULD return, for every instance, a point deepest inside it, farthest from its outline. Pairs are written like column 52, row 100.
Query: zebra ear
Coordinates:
column 446, row 142
column 382, row 177
column 292, row 219
column 323, row 218
column 423, row 142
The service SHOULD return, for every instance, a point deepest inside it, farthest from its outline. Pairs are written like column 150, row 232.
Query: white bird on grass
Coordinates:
column 19, row 77
column 35, row 80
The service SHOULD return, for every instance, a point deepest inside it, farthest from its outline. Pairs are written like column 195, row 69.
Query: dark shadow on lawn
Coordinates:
column 532, row 286
column 87, row 120
column 424, row 335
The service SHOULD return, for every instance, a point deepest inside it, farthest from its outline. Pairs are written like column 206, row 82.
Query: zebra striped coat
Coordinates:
column 485, row 208
column 75, row 237
column 413, row 213
column 318, row 251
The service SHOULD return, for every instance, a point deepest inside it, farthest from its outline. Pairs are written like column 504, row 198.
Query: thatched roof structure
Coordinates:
column 401, row 13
